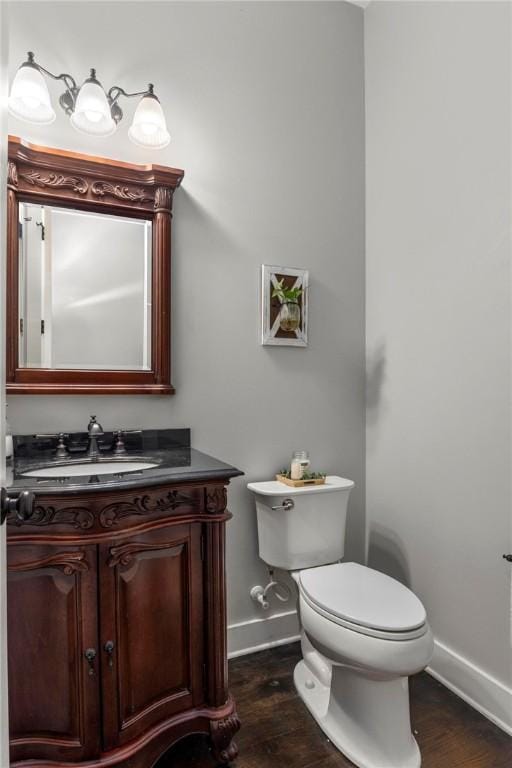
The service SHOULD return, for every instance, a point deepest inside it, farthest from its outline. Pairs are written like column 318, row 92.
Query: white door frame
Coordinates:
column 4, row 730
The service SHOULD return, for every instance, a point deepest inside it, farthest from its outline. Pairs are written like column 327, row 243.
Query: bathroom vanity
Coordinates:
column 116, row 602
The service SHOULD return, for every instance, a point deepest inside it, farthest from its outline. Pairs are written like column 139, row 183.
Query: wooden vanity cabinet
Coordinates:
column 54, row 704
column 117, row 628
column 151, row 610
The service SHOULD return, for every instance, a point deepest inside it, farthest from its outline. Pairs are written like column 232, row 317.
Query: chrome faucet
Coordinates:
column 94, row 430
column 93, row 450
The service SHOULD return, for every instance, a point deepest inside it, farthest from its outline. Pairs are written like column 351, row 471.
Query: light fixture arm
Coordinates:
column 116, row 91
column 69, row 81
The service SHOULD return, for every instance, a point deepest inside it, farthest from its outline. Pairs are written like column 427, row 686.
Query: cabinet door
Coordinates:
column 52, row 609
column 151, row 621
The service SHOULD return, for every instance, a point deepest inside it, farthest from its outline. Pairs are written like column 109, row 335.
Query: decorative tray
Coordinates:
column 301, row 483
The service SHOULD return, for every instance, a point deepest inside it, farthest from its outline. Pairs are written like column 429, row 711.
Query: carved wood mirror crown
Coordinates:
column 117, row 208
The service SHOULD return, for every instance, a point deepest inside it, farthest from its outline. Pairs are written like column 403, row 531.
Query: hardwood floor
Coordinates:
column 278, row 732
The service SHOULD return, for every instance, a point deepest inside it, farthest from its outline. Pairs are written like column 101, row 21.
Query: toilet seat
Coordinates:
column 359, row 629
column 364, row 600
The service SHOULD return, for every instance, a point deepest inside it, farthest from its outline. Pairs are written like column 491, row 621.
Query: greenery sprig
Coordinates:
column 286, row 295
column 306, row 476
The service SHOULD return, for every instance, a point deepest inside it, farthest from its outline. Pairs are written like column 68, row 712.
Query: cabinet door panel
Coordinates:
column 151, row 610
column 52, row 619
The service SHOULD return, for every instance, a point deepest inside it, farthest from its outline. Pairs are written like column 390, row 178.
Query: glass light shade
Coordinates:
column 30, row 99
column 92, row 111
column 148, row 128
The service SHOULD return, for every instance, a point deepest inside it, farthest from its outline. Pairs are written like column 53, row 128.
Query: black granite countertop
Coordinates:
column 169, row 449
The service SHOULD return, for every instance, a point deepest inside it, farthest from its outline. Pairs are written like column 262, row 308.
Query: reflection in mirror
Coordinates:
column 84, row 290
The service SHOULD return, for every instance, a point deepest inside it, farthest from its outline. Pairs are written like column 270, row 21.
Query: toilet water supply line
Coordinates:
column 259, row 593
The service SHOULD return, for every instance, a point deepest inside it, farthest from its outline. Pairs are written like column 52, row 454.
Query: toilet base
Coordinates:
column 367, row 720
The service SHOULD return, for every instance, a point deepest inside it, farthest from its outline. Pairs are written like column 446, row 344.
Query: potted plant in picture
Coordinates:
column 289, row 315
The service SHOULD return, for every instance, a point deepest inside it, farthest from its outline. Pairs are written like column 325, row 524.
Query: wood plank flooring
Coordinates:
column 278, row 732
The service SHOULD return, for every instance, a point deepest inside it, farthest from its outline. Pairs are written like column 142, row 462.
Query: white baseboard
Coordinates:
column 261, row 633
column 484, row 693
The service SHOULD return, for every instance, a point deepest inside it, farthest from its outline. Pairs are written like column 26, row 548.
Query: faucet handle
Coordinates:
column 119, row 446
column 61, row 451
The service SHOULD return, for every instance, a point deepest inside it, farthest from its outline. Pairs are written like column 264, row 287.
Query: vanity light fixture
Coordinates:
column 91, row 110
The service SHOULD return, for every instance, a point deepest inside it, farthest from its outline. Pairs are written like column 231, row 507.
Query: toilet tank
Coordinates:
column 311, row 532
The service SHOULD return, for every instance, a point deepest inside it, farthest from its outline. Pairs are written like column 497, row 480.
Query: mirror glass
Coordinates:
column 84, row 290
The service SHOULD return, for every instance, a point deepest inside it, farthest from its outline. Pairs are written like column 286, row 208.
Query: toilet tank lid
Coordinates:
column 275, row 488
column 363, row 596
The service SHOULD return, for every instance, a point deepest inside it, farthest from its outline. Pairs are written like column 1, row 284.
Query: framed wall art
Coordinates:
column 284, row 306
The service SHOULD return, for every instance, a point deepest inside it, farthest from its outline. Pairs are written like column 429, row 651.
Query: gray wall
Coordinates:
column 438, row 88
column 265, row 107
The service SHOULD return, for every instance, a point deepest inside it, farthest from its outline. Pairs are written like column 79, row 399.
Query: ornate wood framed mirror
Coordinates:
column 88, row 273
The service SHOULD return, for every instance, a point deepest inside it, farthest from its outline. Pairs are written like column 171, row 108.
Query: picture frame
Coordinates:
column 277, row 327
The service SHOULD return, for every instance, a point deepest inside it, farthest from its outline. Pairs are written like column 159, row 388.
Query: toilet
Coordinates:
column 362, row 632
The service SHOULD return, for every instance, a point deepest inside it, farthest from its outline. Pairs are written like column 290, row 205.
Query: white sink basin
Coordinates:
column 91, row 468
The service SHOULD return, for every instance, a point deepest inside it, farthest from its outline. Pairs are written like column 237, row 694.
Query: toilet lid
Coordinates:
column 363, row 596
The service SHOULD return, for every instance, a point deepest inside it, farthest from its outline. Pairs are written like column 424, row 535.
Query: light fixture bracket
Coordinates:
column 67, row 101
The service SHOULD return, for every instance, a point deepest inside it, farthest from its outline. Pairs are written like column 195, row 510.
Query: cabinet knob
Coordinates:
column 90, row 655
column 109, row 649
column 508, row 557
column 22, row 505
